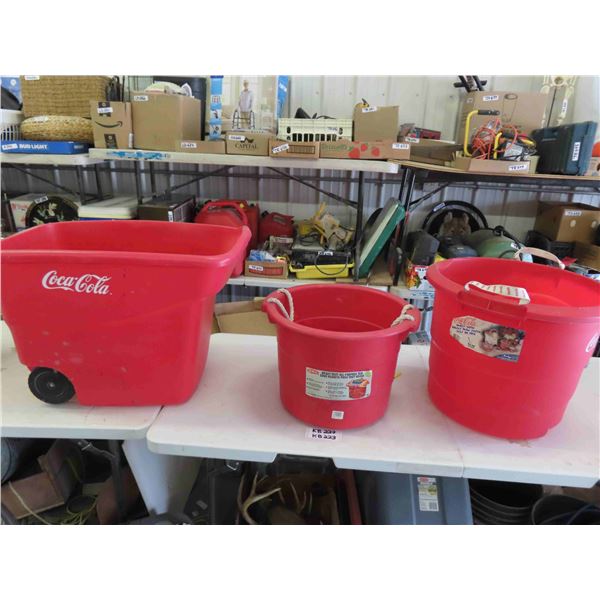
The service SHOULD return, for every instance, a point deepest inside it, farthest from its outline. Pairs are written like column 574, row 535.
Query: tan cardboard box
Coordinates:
column 112, row 124
column 588, row 255
column 435, row 152
column 376, row 123
column 265, row 268
column 281, row 148
column 478, row 165
column 242, row 317
column 161, row 121
column 252, row 143
column 365, row 150
column 572, row 222
column 202, row 146
column 525, row 110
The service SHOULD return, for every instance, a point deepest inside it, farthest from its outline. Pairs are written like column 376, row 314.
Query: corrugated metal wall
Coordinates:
column 428, row 101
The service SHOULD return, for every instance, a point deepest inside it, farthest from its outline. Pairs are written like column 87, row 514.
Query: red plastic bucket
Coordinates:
column 121, row 311
column 498, row 364
column 338, row 352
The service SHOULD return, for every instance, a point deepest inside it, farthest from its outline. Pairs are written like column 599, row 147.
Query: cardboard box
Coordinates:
column 435, row 152
column 265, row 268
column 477, row 165
column 415, row 277
column 202, row 146
column 175, row 208
column 376, row 123
column 282, row 148
column 160, row 120
column 242, row 317
column 593, row 169
column 572, row 222
column 588, row 255
column 112, row 124
column 365, row 150
column 250, row 143
column 524, row 110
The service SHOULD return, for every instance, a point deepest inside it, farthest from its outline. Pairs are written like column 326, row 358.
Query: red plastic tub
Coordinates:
column 338, row 353
column 121, row 311
column 504, row 366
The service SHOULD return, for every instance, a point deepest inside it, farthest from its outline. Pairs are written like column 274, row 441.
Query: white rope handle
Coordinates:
column 276, row 301
column 403, row 315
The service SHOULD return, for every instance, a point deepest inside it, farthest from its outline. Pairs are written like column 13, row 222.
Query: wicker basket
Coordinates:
column 58, row 129
column 60, row 95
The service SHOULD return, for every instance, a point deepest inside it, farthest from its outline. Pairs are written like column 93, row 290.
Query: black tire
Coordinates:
column 50, row 386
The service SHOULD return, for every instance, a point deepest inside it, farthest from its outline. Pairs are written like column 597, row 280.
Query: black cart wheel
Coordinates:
column 50, row 385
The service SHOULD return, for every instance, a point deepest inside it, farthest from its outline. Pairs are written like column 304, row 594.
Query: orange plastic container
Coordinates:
column 118, row 312
column 502, row 367
column 338, row 353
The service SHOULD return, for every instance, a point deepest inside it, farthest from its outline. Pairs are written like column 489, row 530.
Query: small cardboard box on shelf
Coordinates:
column 572, row 222
column 434, row 152
column 588, row 255
column 282, row 148
column 265, row 268
column 365, row 150
column 202, row 146
column 376, row 123
column 250, row 143
column 112, row 124
column 161, row 120
column 478, row 165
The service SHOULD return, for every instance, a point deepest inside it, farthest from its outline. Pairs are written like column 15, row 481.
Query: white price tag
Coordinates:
column 40, row 199
column 491, row 98
column 563, row 108
column 130, row 140
column 237, row 138
column 105, row 110
column 399, row 146
column 576, row 148
column 189, row 145
column 412, row 140
column 368, row 109
column 319, row 434
column 523, row 167
column 572, row 213
column 31, row 77
column 141, row 98
column 256, row 268
column 282, row 148
column 10, row 146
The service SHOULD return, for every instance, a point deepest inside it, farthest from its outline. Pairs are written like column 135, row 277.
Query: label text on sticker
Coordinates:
column 40, row 199
column 256, row 268
column 31, row 77
column 143, row 98
column 105, row 110
column 10, row 146
column 237, row 138
column 563, row 108
column 397, row 146
column 518, row 167
column 428, row 494
column 572, row 213
column 411, row 139
column 368, row 109
column 338, row 385
column 491, row 98
column 189, row 145
column 281, row 148
column 318, row 434
column 86, row 284
column 576, row 148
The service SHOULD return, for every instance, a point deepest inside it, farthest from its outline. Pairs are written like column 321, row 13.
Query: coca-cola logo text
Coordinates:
column 87, row 283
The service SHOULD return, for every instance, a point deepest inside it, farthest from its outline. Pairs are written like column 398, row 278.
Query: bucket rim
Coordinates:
column 276, row 317
column 541, row 312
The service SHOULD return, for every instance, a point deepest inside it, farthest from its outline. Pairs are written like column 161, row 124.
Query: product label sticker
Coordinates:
column 237, row 138
column 130, row 140
column 140, row 98
column 282, row 148
column 576, row 148
column 428, row 494
column 317, row 433
column 40, row 199
column 523, row 167
column 170, row 215
column 31, row 77
column 189, row 145
column 411, row 139
column 256, row 268
column 337, row 414
column 10, row 146
column 399, row 146
column 563, row 108
column 491, row 98
column 572, row 213
column 338, row 385
column 105, row 110
column 491, row 339
column 368, row 109
column 39, row 119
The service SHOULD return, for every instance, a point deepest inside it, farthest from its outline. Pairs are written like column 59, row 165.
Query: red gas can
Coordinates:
column 275, row 224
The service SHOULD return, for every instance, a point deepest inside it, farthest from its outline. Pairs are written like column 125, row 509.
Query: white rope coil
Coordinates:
column 403, row 315
column 286, row 293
